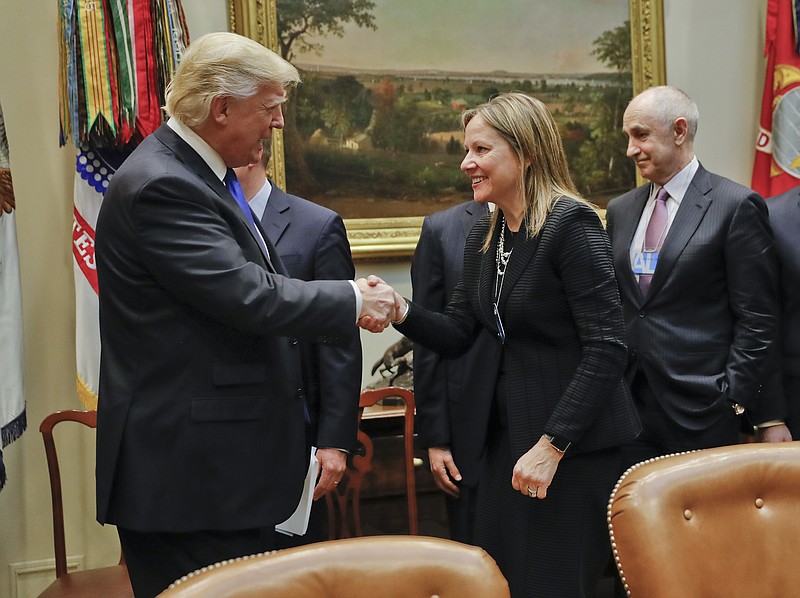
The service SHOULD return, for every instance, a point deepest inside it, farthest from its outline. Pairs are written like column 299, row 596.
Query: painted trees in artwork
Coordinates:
column 371, row 137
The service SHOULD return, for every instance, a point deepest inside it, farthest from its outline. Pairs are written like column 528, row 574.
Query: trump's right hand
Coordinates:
column 378, row 304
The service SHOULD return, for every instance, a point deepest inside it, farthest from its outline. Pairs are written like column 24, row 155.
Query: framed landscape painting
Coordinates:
column 373, row 130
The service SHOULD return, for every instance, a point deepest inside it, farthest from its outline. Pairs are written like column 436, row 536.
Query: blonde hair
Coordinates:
column 528, row 127
column 223, row 64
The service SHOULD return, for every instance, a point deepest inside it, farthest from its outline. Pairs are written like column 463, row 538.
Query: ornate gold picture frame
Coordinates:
column 381, row 238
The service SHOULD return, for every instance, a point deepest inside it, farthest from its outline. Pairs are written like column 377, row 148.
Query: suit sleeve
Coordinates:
column 452, row 332
column 752, row 273
column 586, row 269
column 190, row 248
column 339, row 366
column 430, row 376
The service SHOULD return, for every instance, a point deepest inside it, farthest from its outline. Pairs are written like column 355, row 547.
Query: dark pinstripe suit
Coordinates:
column 699, row 340
column 447, row 391
column 312, row 243
column 560, row 372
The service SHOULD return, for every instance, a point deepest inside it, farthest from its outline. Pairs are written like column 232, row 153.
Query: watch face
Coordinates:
column 561, row 444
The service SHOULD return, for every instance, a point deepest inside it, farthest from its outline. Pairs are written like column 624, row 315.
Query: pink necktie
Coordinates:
column 655, row 233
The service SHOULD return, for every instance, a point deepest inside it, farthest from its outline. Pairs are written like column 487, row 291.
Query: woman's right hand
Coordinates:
column 534, row 471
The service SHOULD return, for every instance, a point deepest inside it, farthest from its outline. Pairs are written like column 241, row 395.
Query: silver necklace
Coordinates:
column 502, row 255
column 502, row 259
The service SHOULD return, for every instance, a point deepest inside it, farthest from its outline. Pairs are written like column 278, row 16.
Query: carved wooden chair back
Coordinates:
column 344, row 504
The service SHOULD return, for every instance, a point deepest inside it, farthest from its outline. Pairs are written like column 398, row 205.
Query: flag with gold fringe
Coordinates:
column 12, row 401
column 116, row 60
column 777, row 162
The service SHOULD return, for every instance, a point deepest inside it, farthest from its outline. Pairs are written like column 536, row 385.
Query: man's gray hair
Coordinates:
column 669, row 104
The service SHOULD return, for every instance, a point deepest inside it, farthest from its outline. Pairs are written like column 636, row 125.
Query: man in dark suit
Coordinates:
column 446, row 390
column 312, row 244
column 201, row 444
column 695, row 263
column 784, row 216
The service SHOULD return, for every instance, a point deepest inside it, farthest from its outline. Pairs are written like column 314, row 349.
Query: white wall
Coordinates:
column 713, row 52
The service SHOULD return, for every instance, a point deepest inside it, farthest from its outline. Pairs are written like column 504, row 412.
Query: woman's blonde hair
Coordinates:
column 527, row 125
column 223, row 64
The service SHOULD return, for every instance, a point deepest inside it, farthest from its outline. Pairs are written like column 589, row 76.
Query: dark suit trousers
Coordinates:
column 662, row 436
column 461, row 514
column 156, row 559
column 316, row 529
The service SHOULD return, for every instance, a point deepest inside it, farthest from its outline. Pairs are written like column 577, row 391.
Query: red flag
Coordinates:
column 777, row 162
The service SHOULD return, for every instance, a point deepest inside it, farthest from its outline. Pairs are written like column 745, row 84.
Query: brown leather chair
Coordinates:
column 343, row 504
column 106, row 582
column 715, row 523
column 385, row 566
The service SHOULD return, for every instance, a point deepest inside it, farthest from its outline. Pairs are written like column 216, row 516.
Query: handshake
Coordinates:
column 380, row 306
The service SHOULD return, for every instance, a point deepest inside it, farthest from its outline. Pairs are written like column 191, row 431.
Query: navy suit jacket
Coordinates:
column 448, row 392
column 565, row 352
column 784, row 216
column 702, row 334
column 312, row 244
column 200, row 412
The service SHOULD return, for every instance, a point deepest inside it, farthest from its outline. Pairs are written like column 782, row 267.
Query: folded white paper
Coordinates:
column 297, row 524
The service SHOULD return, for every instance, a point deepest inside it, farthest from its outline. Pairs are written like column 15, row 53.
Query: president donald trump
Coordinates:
column 201, row 444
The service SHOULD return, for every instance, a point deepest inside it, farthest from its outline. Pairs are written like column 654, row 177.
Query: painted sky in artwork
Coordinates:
column 519, row 36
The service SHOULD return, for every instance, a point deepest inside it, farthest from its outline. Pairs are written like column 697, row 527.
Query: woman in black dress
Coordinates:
column 538, row 275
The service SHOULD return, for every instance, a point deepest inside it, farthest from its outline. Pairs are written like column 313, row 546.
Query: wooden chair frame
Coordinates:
column 105, row 581
column 345, row 499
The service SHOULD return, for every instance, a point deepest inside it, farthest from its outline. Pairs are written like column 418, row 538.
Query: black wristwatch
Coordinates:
column 559, row 443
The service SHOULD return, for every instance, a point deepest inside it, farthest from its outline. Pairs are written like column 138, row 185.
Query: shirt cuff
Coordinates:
column 359, row 300
column 769, row 424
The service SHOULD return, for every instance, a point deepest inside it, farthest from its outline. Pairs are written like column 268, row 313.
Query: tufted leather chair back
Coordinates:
column 385, row 566
column 719, row 522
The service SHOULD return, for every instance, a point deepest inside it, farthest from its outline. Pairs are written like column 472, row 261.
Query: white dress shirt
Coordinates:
column 676, row 188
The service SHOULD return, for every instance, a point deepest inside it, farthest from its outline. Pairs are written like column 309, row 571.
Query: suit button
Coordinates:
column 293, row 341
column 299, row 394
column 641, row 314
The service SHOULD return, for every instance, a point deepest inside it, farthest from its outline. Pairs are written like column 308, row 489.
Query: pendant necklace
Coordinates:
column 502, row 259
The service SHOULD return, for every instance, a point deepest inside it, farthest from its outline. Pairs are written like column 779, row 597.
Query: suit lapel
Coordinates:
column 471, row 214
column 277, row 216
column 524, row 250
column 693, row 208
column 487, row 279
column 625, row 224
column 184, row 152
